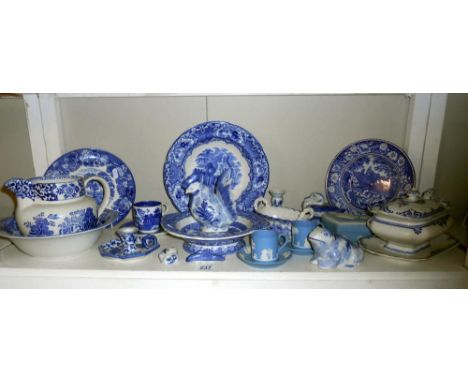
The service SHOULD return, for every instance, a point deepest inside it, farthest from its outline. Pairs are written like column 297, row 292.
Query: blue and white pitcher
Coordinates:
column 48, row 206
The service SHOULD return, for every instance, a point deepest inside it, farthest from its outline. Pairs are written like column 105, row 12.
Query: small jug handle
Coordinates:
column 259, row 201
column 306, row 214
column 106, row 189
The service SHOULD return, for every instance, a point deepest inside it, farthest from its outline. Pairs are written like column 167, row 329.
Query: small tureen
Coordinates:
column 410, row 223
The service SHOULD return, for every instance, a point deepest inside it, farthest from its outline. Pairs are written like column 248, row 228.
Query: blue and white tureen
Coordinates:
column 408, row 224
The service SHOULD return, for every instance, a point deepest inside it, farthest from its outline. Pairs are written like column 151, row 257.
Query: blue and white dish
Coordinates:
column 246, row 257
column 437, row 246
column 60, row 246
column 281, row 218
column 89, row 162
column 368, row 173
column 115, row 249
column 211, row 148
column 215, row 244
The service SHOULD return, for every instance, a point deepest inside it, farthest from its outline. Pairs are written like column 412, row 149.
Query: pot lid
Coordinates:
column 414, row 206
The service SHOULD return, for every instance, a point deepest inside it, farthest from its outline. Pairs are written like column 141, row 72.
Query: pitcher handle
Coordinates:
column 306, row 214
column 282, row 238
column 259, row 201
column 106, row 189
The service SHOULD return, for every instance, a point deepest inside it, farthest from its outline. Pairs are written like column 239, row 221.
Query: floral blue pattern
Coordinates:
column 368, row 173
column 115, row 249
column 217, row 157
column 46, row 188
column 76, row 221
column 91, row 161
column 41, row 224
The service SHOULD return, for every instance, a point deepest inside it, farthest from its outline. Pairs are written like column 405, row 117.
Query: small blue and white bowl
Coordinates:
column 281, row 218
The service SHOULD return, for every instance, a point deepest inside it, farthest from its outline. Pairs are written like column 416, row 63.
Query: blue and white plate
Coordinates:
column 368, row 173
column 114, row 249
column 213, row 147
column 89, row 162
column 247, row 258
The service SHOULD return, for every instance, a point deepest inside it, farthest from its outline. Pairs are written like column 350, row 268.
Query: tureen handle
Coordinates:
column 106, row 192
column 306, row 214
column 259, row 202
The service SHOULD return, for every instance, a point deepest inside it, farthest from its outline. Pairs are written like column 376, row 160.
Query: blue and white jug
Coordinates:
column 48, row 206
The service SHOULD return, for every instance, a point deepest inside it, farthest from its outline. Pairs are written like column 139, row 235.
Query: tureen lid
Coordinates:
column 413, row 206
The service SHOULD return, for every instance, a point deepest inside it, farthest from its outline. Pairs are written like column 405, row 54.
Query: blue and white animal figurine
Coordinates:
column 332, row 251
column 211, row 202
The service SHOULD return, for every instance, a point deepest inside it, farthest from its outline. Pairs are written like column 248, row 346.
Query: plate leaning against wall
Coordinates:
column 214, row 147
column 91, row 161
column 368, row 173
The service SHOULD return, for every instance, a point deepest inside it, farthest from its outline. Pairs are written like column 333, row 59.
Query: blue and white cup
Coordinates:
column 147, row 215
column 128, row 237
column 300, row 230
column 267, row 244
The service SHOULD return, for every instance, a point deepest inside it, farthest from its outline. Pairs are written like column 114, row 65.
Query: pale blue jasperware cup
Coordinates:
column 267, row 244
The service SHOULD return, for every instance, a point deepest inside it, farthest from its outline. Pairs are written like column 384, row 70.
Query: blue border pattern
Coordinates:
column 247, row 144
column 351, row 177
column 88, row 162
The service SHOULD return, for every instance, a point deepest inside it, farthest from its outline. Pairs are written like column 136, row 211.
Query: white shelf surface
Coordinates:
column 90, row 270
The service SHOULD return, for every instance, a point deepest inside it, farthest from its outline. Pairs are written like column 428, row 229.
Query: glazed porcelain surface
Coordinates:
column 368, row 173
column 215, row 244
column 210, row 200
column 48, row 206
column 116, row 249
column 266, row 244
column 410, row 223
column 281, row 218
column 246, row 257
column 147, row 215
column 210, row 149
column 62, row 246
column 332, row 251
column 439, row 245
column 90, row 162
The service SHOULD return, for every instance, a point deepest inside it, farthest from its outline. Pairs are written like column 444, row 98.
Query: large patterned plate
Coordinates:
column 213, row 147
column 368, row 173
column 89, row 162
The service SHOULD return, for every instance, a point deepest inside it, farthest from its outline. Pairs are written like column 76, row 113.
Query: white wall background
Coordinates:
column 300, row 134
column 15, row 150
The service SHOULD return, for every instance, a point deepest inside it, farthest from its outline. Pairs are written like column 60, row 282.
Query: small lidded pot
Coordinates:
column 410, row 223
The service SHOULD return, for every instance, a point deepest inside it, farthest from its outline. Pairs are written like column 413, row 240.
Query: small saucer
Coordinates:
column 301, row 251
column 131, row 224
column 113, row 249
column 440, row 244
column 282, row 258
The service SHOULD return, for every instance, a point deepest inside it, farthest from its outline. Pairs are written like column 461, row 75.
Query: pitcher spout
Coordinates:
column 22, row 188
